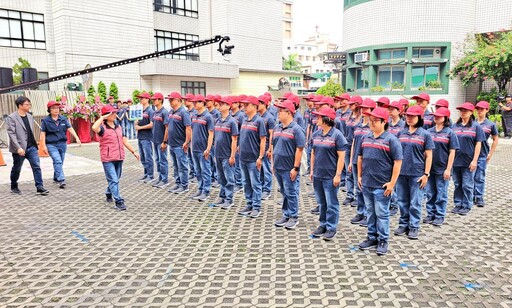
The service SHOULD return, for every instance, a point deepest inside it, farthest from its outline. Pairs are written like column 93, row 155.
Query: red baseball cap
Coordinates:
column 326, row 100
column 442, row 112
column 415, row 110
column 326, row 112
column 52, row 103
column 287, row 104
column 317, row 98
column 343, row 96
column 157, row 95
column 286, row 95
column 384, row 101
column 210, row 97
column 251, row 100
column 264, row 99
column 442, row 103
column 396, row 105
column 110, row 97
column 226, row 100
column 379, row 112
column 404, row 102
column 189, row 96
column 424, row 96
column 466, row 106
column 218, row 98
column 174, row 95
column 310, row 96
column 129, row 100
column 107, row 109
column 356, row 99
column 295, row 99
column 198, row 98
column 482, row 104
column 242, row 97
column 368, row 103
column 144, row 95
column 268, row 94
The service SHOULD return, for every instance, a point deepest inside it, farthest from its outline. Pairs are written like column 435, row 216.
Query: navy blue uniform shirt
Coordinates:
column 468, row 137
column 178, row 121
column 444, row 140
column 55, row 130
column 215, row 114
column 350, row 125
column 414, row 146
column 428, row 120
column 160, row 120
column 379, row 155
column 270, row 124
column 286, row 140
column 250, row 136
column 297, row 118
column 359, row 132
column 201, row 125
column 489, row 129
column 397, row 128
column 326, row 149
column 147, row 115
column 224, row 130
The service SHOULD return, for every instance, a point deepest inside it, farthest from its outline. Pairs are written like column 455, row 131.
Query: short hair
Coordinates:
column 21, row 100
column 447, row 122
column 328, row 121
column 420, row 122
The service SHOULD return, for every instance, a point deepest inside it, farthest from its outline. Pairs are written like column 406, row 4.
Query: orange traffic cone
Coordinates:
column 40, row 151
column 2, row 161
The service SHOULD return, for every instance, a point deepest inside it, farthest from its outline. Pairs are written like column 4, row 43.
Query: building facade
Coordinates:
column 404, row 47
column 58, row 37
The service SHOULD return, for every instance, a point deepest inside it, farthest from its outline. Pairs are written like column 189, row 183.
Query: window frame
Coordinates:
column 175, row 7
column 391, row 81
column 23, row 41
column 173, row 38
column 424, row 66
column 194, row 87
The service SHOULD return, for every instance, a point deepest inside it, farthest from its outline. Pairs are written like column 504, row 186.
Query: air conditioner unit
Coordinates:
column 361, row 57
column 437, row 52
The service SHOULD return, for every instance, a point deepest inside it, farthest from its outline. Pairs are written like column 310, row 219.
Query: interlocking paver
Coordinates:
column 71, row 249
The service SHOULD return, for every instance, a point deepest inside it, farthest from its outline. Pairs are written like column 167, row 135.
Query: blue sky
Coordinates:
column 327, row 14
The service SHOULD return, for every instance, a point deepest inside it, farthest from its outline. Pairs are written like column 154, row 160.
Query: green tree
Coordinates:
column 102, row 91
column 488, row 56
column 114, row 91
column 91, row 92
column 18, row 68
column 291, row 63
column 331, row 89
column 135, row 99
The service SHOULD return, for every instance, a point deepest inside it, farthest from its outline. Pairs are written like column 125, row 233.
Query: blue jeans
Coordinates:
column 437, row 196
column 238, row 171
column 162, row 166
column 203, row 172
column 409, row 200
column 226, row 179
column 349, row 180
column 480, row 178
column 57, row 152
column 213, row 164
column 146, row 157
column 377, row 206
column 266, row 175
column 309, row 149
column 113, row 172
column 252, row 184
column 180, row 163
column 361, row 208
column 289, row 190
column 327, row 198
column 33, row 158
column 464, row 184
column 129, row 130
column 394, row 199
column 192, row 170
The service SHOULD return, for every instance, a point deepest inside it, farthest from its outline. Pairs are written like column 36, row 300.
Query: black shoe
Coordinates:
column 62, row 185
column 428, row 219
column 438, row 222
column 329, row 235
column 315, row 210
column 464, row 211
column 368, row 244
column 120, row 206
column 319, row 232
column 413, row 233
column 15, row 190
column 357, row 219
column 456, row 209
column 393, row 211
column 246, row 211
column 364, row 222
column 42, row 191
column 348, row 201
column 109, row 198
column 480, row 202
column 382, row 248
column 401, row 231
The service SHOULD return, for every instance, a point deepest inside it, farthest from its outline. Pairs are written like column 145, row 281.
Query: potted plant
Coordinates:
column 377, row 88
column 397, row 86
column 434, row 85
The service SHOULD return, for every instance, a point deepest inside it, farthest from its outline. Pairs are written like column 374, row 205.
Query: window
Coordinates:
column 295, row 81
column 288, row 48
column 391, row 77
column 361, row 79
column 194, row 87
column 301, row 58
column 309, row 48
column 179, row 7
column 21, row 29
column 308, row 58
column 314, row 59
column 43, row 75
column 423, row 52
column 302, row 48
column 168, row 40
column 422, row 74
column 387, row 54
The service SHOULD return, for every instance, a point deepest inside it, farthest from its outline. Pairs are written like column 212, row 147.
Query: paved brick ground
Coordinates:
column 72, row 249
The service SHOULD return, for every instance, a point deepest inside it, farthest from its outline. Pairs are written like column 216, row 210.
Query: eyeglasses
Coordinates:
column 27, row 104
column 375, row 120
